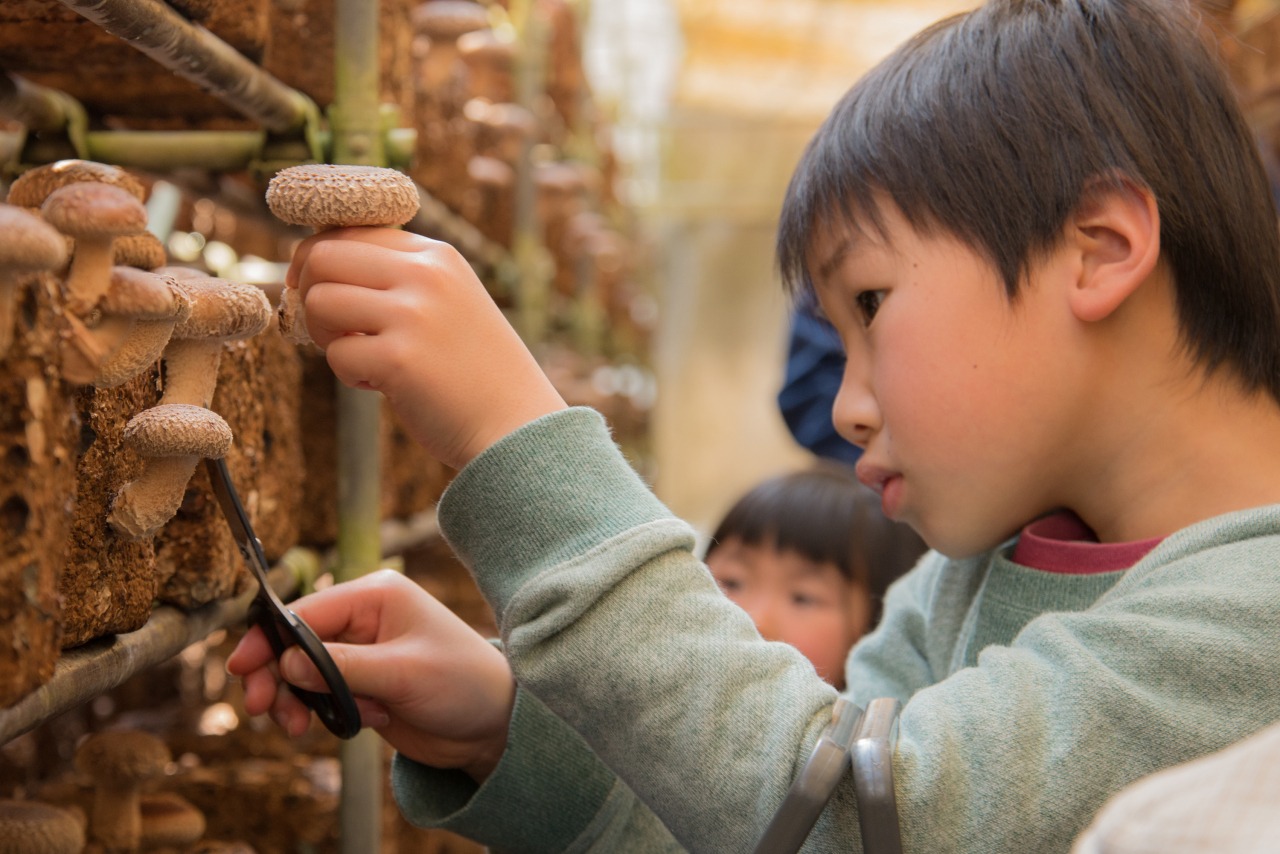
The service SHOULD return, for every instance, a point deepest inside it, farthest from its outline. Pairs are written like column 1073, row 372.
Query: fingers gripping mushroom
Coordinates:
column 94, row 215
column 27, row 245
column 31, row 827
column 119, row 763
column 325, row 196
column 174, row 435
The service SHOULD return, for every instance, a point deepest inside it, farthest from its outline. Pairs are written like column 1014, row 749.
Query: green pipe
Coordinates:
column 355, row 121
column 533, row 293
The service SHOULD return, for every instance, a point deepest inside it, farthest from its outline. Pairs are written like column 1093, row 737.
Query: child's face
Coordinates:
column 792, row 599
column 968, row 405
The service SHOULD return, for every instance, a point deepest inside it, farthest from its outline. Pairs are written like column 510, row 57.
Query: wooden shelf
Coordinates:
column 87, row 671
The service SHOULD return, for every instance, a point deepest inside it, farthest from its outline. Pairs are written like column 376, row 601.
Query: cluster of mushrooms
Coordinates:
column 124, row 814
column 123, row 310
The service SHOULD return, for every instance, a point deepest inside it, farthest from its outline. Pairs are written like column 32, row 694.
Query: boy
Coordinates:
column 1046, row 241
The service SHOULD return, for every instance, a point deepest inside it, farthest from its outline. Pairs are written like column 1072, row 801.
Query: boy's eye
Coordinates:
column 868, row 303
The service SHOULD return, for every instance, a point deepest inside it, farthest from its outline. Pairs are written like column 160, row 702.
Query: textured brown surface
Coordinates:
column 48, row 43
column 411, row 480
column 196, row 557
column 109, row 582
column 302, row 42
column 38, row 432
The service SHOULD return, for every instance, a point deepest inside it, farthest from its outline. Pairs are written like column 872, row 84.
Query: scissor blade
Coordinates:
column 229, row 500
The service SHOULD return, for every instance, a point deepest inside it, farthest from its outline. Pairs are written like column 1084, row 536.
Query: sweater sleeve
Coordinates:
column 608, row 618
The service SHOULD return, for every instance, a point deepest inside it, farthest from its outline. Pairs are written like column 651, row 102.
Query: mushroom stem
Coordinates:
column 143, row 506
column 90, row 274
column 116, row 820
column 82, row 359
column 191, row 371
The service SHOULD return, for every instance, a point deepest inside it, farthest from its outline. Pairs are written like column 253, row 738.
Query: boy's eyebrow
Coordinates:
column 827, row 267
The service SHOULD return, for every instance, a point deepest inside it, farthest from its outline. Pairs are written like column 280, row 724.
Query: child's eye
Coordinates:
column 868, row 304
column 729, row 585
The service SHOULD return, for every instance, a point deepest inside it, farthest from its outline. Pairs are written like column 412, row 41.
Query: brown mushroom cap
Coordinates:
column 94, row 211
column 28, row 243
column 221, row 309
column 139, row 294
column 169, row 819
column 447, row 20
column 486, row 48
column 30, row 827
column 327, row 196
column 32, row 187
column 125, row 756
column 178, row 430
column 143, row 250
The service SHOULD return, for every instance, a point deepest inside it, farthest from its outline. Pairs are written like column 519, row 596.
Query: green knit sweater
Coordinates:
column 1029, row 696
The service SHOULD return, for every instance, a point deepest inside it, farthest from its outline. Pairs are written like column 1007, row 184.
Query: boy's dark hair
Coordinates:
column 826, row 515
column 991, row 124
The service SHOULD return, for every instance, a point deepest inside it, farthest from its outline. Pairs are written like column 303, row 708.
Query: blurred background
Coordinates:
column 713, row 103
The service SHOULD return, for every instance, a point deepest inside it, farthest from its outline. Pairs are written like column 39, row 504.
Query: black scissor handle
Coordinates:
column 283, row 628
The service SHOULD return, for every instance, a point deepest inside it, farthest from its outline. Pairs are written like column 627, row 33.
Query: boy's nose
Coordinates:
column 856, row 413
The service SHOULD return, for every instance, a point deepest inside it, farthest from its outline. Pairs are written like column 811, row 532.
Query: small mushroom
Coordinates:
column 171, row 438
column 94, row 214
column 139, row 314
column 31, row 827
column 490, row 60
column 27, row 245
column 142, row 250
column 119, row 763
column 324, row 196
column 31, row 188
column 170, row 820
column 221, row 311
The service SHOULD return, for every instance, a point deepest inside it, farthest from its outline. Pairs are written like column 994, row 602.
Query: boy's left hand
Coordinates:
column 405, row 315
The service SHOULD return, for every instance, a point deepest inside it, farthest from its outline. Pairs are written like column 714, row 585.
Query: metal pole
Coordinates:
column 193, row 52
column 357, row 139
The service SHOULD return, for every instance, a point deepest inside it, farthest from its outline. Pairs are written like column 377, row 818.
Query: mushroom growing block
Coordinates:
column 38, row 436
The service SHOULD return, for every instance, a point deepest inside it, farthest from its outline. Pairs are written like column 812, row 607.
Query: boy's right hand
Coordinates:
column 405, row 315
column 436, row 690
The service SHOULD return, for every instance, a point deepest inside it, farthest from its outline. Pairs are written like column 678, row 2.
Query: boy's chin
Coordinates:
column 959, row 545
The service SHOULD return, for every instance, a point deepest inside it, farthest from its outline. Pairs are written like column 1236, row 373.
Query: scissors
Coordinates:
column 283, row 627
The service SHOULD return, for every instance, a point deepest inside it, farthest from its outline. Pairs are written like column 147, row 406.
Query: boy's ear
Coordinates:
column 1116, row 229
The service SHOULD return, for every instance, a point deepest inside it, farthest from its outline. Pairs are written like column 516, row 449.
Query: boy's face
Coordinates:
column 794, row 600
column 962, row 400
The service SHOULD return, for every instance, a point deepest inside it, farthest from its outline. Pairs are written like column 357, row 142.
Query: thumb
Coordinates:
column 361, row 666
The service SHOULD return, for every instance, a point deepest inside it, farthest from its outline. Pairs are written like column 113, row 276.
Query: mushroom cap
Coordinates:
column 178, row 430
column 31, row 188
column 325, row 196
column 490, row 172
column 124, row 756
column 220, row 309
column 29, row 243
column 486, row 47
column 146, row 296
column 447, row 20
column 93, row 211
column 142, row 250
column 169, row 819
column 31, row 827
